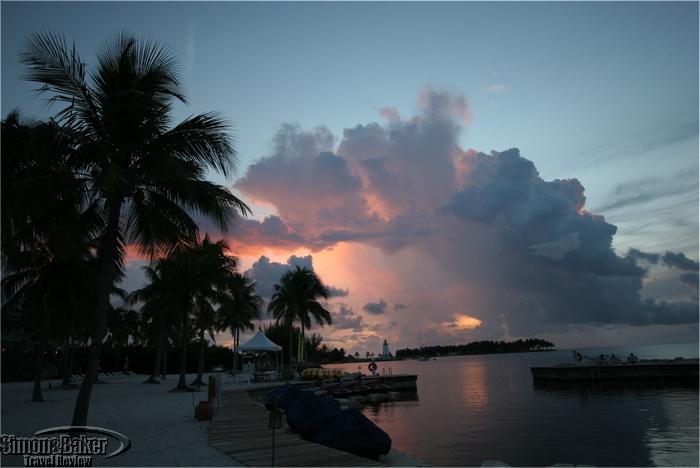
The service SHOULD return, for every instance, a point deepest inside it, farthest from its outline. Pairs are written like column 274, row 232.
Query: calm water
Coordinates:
column 477, row 408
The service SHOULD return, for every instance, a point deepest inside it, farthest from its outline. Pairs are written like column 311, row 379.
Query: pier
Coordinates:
column 240, row 430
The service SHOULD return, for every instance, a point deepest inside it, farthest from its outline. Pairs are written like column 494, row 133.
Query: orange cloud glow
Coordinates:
column 466, row 322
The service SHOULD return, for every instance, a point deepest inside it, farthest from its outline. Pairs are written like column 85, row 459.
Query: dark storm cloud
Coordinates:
column 558, row 262
column 652, row 258
column 689, row 278
column 375, row 308
column 680, row 261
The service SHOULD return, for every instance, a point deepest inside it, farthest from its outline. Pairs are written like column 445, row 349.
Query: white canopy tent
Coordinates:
column 259, row 342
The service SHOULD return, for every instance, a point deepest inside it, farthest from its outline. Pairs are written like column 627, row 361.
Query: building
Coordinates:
column 385, row 351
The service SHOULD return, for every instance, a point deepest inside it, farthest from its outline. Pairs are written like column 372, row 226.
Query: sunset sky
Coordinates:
column 463, row 170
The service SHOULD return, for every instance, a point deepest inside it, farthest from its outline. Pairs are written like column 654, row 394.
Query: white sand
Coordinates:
column 159, row 423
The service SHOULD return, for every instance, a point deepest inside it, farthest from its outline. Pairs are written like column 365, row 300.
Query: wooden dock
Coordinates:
column 240, row 430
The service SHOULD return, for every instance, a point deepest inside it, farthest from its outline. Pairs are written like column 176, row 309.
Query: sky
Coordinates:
column 463, row 170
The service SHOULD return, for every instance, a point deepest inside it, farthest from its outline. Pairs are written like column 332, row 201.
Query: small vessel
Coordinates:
column 611, row 369
column 422, row 357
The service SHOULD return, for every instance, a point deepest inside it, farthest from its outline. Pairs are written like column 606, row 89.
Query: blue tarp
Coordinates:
column 319, row 419
column 351, row 431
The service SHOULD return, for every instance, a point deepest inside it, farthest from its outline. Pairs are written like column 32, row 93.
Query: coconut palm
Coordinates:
column 239, row 307
column 162, row 302
column 46, row 234
column 215, row 272
column 296, row 300
column 144, row 176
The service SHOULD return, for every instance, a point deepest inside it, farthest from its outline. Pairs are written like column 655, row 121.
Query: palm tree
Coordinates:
column 46, row 235
column 141, row 174
column 205, row 271
column 296, row 300
column 162, row 298
column 239, row 308
column 123, row 323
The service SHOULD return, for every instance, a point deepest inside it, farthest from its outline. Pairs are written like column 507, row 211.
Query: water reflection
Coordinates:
column 476, row 408
column 473, row 383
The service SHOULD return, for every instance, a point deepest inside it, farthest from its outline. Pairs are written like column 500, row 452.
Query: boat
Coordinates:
column 678, row 370
column 422, row 357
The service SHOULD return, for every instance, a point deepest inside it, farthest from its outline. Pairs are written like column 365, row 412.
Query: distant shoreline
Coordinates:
column 431, row 356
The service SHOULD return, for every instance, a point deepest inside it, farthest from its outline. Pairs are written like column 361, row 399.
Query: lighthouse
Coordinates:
column 385, row 351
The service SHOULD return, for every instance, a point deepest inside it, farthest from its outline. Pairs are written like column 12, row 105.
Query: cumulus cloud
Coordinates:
column 652, row 258
column 375, row 308
column 345, row 319
column 472, row 230
column 266, row 273
column 680, row 261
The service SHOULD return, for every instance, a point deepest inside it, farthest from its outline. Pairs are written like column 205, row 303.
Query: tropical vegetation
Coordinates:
column 112, row 170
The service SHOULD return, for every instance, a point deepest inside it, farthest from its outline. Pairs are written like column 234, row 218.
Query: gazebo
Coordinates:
column 259, row 342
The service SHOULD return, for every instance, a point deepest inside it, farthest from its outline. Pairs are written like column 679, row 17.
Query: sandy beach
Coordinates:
column 159, row 423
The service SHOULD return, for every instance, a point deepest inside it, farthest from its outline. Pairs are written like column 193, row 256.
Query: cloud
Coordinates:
column 651, row 189
column 690, row 279
column 399, row 306
column 344, row 318
column 497, row 89
column 337, row 292
column 652, row 258
column 266, row 273
column 375, row 308
column 680, row 261
column 448, row 229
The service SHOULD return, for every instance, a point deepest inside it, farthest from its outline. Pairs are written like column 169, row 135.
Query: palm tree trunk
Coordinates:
column 39, row 369
column 106, row 274
column 303, row 344
column 291, row 332
column 164, row 362
column 200, row 365
column 182, row 382
column 68, row 365
column 153, row 378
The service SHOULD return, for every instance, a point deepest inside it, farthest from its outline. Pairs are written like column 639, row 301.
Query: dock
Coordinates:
column 240, row 430
column 651, row 371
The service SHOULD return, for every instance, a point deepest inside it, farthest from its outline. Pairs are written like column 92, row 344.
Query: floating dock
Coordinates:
column 683, row 371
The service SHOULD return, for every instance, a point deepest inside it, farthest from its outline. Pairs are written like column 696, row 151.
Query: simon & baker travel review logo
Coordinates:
column 65, row 445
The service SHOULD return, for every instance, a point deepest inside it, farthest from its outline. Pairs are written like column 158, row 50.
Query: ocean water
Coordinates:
column 476, row 408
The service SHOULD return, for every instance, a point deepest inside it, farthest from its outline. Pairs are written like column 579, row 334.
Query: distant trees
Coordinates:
column 478, row 347
column 317, row 351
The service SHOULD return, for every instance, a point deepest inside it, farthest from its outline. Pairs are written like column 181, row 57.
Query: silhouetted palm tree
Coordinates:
column 163, row 301
column 296, row 299
column 142, row 174
column 46, row 235
column 239, row 308
column 204, row 272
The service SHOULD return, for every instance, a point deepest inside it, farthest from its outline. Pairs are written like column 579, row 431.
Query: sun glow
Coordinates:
column 466, row 322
